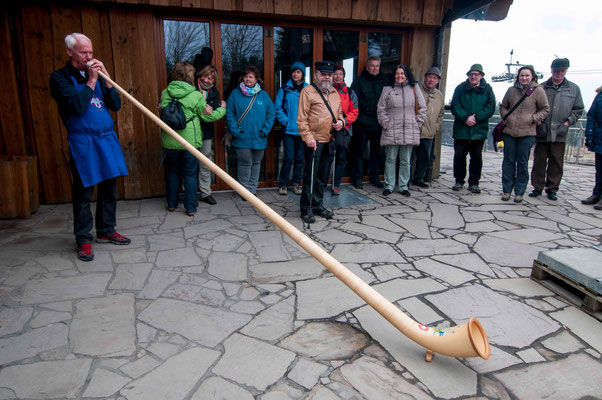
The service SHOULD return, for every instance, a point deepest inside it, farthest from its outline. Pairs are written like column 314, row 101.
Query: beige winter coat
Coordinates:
column 314, row 121
column 398, row 117
column 532, row 111
column 435, row 108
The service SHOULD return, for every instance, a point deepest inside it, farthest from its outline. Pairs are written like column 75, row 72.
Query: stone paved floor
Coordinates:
column 224, row 306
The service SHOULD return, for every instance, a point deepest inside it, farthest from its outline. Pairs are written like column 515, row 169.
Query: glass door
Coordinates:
column 241, row 46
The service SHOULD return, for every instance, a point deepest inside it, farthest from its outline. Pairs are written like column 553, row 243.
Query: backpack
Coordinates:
column 173, row 115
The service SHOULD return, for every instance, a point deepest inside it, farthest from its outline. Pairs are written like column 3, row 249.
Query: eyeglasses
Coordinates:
column 474, row 74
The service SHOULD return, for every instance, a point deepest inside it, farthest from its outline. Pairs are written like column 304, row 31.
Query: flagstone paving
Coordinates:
column 224, row 305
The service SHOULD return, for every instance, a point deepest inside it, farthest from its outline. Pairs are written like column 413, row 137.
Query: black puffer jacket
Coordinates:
column 368, row 89
column 213, row 100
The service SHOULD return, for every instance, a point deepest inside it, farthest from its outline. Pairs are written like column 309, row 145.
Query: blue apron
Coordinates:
column 93, row 142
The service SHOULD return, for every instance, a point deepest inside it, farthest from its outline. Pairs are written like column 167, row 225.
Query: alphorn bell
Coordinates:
column 466, row 340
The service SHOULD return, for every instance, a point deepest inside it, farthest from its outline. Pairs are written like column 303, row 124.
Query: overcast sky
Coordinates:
column 538, row 31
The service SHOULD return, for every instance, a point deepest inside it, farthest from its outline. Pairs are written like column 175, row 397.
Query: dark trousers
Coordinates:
column 423, row 159
column 362, row 136
column 515, row 165
column 339, row 167
column 106, row 206
column 598, row 187
column 547, row 165
column 182, row 167
column 462, row 148
column 293, row 157
column 321, row 160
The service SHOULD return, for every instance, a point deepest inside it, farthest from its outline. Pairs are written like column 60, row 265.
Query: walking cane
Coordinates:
column 466, row 340
column 310, row 213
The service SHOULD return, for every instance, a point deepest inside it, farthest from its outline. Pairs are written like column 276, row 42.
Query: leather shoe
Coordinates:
column 535, row 193
column 308, row 218
column 552, row 196
column 591, row 200
column 387, row 192
column 323, row 212
column 378, row 184
column 421, row 185
column 405, row 193
column 358, row 185
column 209, row 200
column 598, row 205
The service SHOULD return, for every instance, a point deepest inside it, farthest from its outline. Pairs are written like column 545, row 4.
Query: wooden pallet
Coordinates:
column 590, row 300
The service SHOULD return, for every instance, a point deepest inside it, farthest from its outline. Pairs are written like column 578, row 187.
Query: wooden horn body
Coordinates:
column 466, row 340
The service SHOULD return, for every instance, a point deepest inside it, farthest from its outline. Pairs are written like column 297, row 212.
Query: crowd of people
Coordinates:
column 394, row 111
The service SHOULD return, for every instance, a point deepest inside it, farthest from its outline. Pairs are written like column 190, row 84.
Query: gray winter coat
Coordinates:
column 566, row 104
column 398, row 117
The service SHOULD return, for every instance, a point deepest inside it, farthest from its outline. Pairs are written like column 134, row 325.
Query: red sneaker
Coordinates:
column 114, row 238
column 336, row 191
column 84, row 252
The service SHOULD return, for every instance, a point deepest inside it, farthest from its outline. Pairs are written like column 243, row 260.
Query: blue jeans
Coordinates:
column 423, row 159
column 598, row 186
column 515, row 166
column 249, row 166
column 361, row 137
column 182, row 167
column 293, row 152
column 391, row 153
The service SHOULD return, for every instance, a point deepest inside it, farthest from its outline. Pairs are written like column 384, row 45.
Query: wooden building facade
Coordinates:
column 138, row 40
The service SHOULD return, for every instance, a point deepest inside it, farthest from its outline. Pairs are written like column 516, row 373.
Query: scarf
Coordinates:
column 249, row 92
column 298, row 86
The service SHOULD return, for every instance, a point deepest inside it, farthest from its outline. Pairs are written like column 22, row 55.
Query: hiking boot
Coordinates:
column 518, row 198
column 457, row 187
column 114, row 238
column 421, row 185
column 552, row 196
column 377, row 183
column 282, row 191
column 336, row 191
column 209, row 200
column 190, row 213
column 505, row 196
column 593, row 199
column 405, row 193
column 297, row 189
column 535, row 193
column 84, row 252
column 474, row 189
column 323, row 212
column 387, row 192
column 308, row 218
column 598, row 205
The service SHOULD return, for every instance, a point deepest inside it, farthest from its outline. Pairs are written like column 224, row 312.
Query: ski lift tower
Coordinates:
column 511, row 70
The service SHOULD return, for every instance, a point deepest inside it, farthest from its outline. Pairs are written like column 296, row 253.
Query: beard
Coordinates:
column 324, row 84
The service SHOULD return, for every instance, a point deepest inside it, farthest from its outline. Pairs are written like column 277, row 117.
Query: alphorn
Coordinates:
column 466, row 340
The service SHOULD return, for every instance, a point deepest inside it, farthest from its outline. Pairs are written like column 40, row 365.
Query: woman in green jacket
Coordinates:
column 182, row 165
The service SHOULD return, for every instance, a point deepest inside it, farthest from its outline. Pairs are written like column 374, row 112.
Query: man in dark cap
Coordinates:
column 315, row 124
column 435, row 108
column 473, row 103
column 566, row 107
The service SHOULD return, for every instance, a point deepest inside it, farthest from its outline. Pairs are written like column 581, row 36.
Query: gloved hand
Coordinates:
column 589, row 143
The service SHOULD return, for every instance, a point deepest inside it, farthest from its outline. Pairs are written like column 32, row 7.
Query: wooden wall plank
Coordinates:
column 39, row 58
column 411, row 11
column 389, row 10
column 123, row 30
column 432, row 12
column 226, row 5
column 12, row 128
column 312, row 8
column 423, row 51
column 340, row 9
column 364, row 10
column 258, row 6
column 284, row 7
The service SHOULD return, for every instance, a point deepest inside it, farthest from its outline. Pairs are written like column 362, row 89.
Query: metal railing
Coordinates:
column 575, row 152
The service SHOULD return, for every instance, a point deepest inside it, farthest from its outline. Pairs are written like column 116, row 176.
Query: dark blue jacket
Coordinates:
column 593, row 129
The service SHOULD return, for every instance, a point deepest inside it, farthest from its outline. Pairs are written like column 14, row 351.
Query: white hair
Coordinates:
column 72, row 39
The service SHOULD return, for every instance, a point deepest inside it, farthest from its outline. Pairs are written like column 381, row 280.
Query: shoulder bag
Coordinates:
column 498, row 130
column 227, row 140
